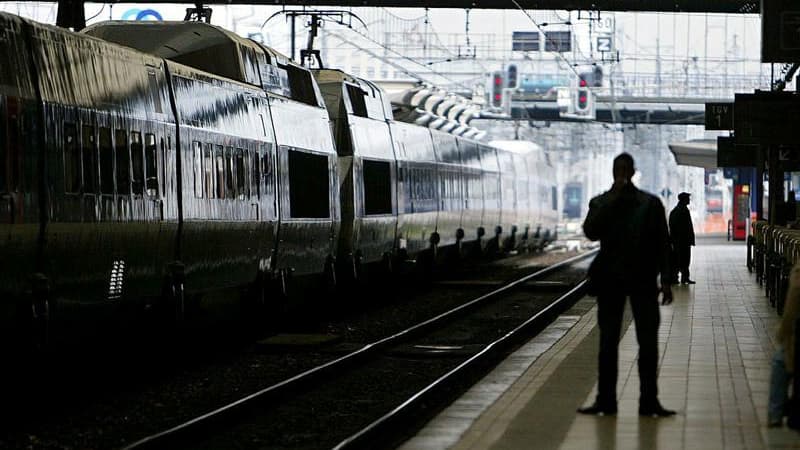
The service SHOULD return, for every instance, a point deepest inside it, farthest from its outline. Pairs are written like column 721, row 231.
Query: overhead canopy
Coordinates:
column 695, row 152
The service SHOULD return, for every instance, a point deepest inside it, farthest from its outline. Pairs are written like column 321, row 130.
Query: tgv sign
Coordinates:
column 141, row 14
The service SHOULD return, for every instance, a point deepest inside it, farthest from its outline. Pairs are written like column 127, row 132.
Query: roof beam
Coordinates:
column 713, row 6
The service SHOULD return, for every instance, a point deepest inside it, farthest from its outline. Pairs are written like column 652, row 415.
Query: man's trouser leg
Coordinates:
column 647, row 318
column 610, row 307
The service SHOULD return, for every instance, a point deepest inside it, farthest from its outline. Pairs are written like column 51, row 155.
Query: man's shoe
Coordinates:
column 598, row 410
column 688, row 282
column 655, row 411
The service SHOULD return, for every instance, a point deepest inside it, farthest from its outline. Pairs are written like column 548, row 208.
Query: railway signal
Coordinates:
column 583, row 99
column 497, row 89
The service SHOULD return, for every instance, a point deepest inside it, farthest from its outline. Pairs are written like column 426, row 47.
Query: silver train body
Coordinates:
column 148, row 164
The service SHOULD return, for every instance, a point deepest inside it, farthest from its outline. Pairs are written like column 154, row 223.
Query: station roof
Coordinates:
column 718, row 6
column 695, row 152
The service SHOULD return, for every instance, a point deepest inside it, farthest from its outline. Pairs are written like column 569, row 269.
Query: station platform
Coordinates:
column 715, row 346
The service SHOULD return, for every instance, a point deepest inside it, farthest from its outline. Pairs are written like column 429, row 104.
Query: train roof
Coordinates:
column 214, row 50
column 376, row 102
column 520, row 147
column 199, row 45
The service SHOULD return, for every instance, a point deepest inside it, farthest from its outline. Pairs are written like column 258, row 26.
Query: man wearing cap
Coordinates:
column 681, row 234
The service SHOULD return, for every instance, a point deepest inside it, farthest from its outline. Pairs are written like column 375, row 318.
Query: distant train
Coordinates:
column 147, row 164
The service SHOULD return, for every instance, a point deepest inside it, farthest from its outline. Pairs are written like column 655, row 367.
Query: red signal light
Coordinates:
column 582, row 83
column 498, row 97
column 582, row 99
column 498, row 81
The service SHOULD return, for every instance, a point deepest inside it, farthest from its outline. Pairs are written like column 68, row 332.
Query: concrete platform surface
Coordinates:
column 716, row 341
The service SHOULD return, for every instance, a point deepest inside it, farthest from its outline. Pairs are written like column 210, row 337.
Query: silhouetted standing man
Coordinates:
column 681, row 233
column 634, row 248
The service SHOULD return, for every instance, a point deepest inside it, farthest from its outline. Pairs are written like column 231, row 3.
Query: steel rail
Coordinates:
column 369, row 434
column 163, row 438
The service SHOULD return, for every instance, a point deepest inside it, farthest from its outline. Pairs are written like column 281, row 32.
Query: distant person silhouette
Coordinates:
column 631, row 226
column 681, row 234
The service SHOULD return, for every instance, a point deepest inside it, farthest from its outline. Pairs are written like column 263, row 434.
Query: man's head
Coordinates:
column 623, row 167
column 683, row 197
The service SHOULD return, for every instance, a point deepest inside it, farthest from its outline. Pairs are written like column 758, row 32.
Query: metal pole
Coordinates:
column 293, row 17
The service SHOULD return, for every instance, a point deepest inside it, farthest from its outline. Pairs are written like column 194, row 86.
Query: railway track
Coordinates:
column 421, row 367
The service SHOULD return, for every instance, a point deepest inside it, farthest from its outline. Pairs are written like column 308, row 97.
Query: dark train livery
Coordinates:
column 152, row 163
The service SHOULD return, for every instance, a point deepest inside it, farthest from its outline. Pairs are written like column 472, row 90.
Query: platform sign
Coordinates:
column 766, row 117
column 780, row 31
column 719, row 116
column 731, row 154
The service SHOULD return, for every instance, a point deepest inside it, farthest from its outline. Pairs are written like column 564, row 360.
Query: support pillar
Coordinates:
column 71, row 14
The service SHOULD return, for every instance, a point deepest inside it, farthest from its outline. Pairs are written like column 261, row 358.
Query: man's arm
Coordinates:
column 596, row 222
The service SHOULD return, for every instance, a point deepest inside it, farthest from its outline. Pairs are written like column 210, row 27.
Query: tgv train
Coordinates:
column 145, row 165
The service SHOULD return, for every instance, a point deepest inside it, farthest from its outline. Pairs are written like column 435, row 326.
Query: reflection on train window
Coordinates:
column 106, row 162
column 308, row 185
column 301, row 85
column 89, row 160
column 208, row 171
column 137, row 162
column 219, row 165
column 242, row 186
column 255, row 175
column 123, row 162
column 151, row 169
column 268, row 171
column 72, row 159
column 198, row 168
column 230, row 186
column 377, row 187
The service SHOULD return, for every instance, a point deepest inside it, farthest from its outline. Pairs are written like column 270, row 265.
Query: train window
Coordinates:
column 89, row 152
column 263, row 125
column 161, row 155
column 301, row 84
column 154, row 90
column 151, row 164
column 2, row 155
column 198, row 169
column 377, row 187
column 255, row 175
column 267, row 172
column 219, row 165
column 106, row 162
column 72, row 159
column 13, row 154
column 137, row 162
column 242, row 185
column 208, row 172
column 123, row 162
column 554, row 198
column 230, row 171
column 308, row 185
column 357, row 100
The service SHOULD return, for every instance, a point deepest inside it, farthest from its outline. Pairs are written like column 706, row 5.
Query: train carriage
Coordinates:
column 367, row 173
column 417, row 192
column 451, row 193
column 492, row 197
column 472, row 218
column 111, row 213
column 281, row 111
column 21, row 162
